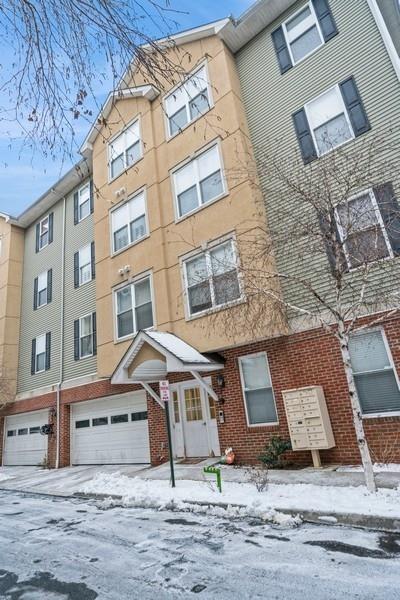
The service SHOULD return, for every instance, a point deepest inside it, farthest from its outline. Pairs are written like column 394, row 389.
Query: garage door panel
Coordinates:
column 26, row 446
column 123, row 441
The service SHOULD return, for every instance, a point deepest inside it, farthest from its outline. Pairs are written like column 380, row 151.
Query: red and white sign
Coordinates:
column 164, row 390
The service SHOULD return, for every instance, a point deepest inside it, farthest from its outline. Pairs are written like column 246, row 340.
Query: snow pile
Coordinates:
column 243, row 499
column 3, row 476
column 378, row 468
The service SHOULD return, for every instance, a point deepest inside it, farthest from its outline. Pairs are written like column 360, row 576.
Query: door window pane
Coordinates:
column 100, row 421
column 23, row 431
column 82, row 424
column 175, row 401
column 193, row 404
column 119, row 419
column 139, row 416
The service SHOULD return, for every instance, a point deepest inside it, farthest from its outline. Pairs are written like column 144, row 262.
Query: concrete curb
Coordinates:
column 370, row 522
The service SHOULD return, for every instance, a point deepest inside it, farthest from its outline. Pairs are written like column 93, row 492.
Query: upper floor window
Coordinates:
column 304, row 32
column 83, row 203
column 330, row 120
column 188, row 101
column 42, row 289
column 128, row 222
column 85, row 338
column 124, row 150
column 362, row 230
column 199, row 181
column 41, row 353
column 374, row 373
column 257, row 390
column 44, row 232
column 211, row 278
column 134, row 308
column 84, row 265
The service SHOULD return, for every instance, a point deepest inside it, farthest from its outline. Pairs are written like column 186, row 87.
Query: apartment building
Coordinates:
column 134, row 263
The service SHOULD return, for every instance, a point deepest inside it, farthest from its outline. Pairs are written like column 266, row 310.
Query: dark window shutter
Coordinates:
column 390, row 211
column 76, row 269
column 76, row 340
column 306, row 142
column 93, row 260
column 94, row 327
column 91, row 196
column 76, row 208
column 33, row 357
column 48, row 350
column 325, row 18
column 35, row 293
column 331, row 237
column 355, row 107
column 51, row 223
column 49, row 285
column 281, row 49
column 37, row 237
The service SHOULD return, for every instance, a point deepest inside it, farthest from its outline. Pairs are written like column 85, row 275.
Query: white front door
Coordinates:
column 23, row 442
column 193, row 417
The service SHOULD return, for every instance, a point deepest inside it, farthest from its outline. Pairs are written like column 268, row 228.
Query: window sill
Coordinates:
column 85, row 357
column 131, row 336
column 83, row 219
column 201, row 207
column 275, row 424
column 216, row 309
column 124, row 171
column 381, row 415
column 84, row 283
column 135, row 243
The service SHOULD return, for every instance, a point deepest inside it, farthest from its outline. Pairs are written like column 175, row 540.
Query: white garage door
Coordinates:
column 24, row 444
column 111, row 430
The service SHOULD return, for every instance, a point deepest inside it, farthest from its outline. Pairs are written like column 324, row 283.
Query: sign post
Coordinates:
column 165, row 397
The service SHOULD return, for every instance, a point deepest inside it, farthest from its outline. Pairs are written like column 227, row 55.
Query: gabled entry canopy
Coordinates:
column 154, row 354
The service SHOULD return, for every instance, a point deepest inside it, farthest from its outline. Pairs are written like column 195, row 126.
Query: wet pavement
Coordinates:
column 55, row 548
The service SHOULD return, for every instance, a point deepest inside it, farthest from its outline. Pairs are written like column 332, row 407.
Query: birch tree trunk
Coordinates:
column 356, row 410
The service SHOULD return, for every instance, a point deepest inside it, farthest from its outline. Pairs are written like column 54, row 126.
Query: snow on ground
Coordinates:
column 296, row 497
column 4, row 476
column 378, row 468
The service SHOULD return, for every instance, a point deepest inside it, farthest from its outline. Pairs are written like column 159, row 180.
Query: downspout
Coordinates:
column 61, row 354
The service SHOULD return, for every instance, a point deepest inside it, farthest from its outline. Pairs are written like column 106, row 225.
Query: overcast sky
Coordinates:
column 24, row 176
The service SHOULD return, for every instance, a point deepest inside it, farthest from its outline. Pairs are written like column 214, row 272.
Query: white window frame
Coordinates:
column 287, row 35
column 382, row 331
column 116, row 208
column 80, row 266
column 210, row 247
column 194, row 158
column 82, row 202
column 45, row 274
column 41, row 223
column 113, row 140
column 170, row 135
column 37, row 354
column 378, row 214
column 335, row 87
column 244, row 389
column 81, row 357
column 148, row 275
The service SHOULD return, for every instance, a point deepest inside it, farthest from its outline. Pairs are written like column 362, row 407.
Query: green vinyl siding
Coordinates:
column 271, row 99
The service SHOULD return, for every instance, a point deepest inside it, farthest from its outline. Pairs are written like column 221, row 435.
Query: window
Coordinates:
column 23, row 431
column 82, row 424
column 40, row 362
column 134, row 308
column 362, row 231
column 84, row 202
column 11, row 433
column 329, row 121
column 374, row 373
column 129, row 222
column 119, row 419
column 42, row 289
column 34, row 430
column 125, row 150
column 302, row 33
column 257, row 390
column 188, row 101
column 198, row 182
column 85, row 265
column 212, row 278
column 86, row 336
column 99, row 421
column 44, row 233
column 139, row 416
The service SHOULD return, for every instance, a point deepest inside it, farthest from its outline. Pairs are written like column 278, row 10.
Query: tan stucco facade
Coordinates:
column 169, row 239
column 11, row 264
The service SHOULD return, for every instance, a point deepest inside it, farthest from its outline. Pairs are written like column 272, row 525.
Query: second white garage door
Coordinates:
column 112, row 430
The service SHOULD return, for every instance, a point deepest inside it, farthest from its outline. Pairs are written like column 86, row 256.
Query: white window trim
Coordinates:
column 223, row 194
column 285, row 33
column 378, row 214
column 392, row 365
column 133, row 281
column 43, row 335
column 82, row 283
column 48, row 231
column 80, row 203
column 255, row 355
column 114, row 208
column 307, row 111
column 81, row 336
column 206, row 249
column 113, row 138
column 38, row 290
column 170, row 136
